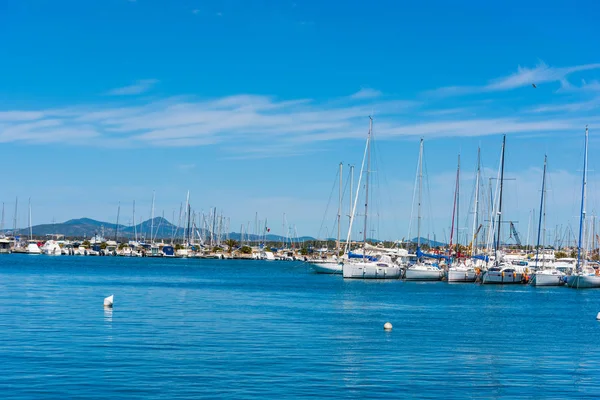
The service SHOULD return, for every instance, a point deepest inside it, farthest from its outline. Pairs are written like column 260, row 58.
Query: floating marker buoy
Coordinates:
column 388, row 326
column 108, row 302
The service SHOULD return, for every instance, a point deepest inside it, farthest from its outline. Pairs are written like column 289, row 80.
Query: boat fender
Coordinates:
column 503, row 274
column 514, row 274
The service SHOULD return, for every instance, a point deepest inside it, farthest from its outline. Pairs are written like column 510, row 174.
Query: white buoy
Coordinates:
column 108, row 302
column 598, row 316
column 387, row 326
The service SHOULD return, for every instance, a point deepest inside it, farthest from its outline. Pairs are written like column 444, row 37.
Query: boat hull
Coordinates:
column 370, row 271
column 461, row 276
column 547, row 280
column 327, row 268
column 583, row 281
column 422, row 275
column 500, row 278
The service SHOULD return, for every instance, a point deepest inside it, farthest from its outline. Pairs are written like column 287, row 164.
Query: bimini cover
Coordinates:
column 355, row 255
column 169, row 250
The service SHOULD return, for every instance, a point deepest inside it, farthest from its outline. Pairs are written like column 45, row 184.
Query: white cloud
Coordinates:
column 366, row 93
column 139, row 87
column 522, row 78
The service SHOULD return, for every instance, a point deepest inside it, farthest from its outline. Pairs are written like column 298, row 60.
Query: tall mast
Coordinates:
column 15, row 220
column 454, row 206
column 582, row 213
column 500, row 199
column 134, row 224
column 117, row 225
column 542, row 213
column 367, row 186
column 476, row 206
column 420, row 195
column 457, row 205
column 152, row 219
column 30, row 228
column 339, row 214
column 351, row 193
column 2, row 223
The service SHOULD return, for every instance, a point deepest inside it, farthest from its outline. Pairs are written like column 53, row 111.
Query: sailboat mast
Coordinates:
column 542, row 213
column 475, row 217
column 339, row 214
column 420, row 194
column 457, row 205
column 582, row 213
column 454, row 207
column 367, row 185
column 500, row 199
column 134, row 224
column 117, row 225
column 30, row 228
column 351, row 192
column 152, row 219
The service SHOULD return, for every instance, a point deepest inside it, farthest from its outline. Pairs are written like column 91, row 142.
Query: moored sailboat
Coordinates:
column 501, row 273
column 382, row 267
column 584, row 277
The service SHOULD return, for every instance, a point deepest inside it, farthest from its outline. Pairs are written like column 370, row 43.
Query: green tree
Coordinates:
column 231, row 244
column 103, row 245
column 304, row 251
column 86, row 243
column 246, row 250
column 560, row 254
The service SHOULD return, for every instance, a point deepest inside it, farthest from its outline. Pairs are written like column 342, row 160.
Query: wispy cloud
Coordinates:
column 247, row 125
column 139, row 87
column 541, row 74
column 366, row 93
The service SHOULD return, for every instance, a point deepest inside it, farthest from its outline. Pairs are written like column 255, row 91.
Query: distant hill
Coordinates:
column 162, row 228
column 431, row 243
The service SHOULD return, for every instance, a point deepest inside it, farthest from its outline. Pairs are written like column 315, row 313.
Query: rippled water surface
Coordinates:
column 251, row 329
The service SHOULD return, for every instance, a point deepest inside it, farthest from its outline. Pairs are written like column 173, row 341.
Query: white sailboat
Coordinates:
column 421, row 271
column 501, row 273
column 544, row 276
column 32, row 246
column 584, row 276
column 332, row 265
column 382, row 267
column 463, row 271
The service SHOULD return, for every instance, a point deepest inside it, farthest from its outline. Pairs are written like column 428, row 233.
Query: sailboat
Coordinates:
column 461, row 271
column 328, row 265
column 584, row 276
column 421, row 271
column 368, row 267
column 544, row 276
column 32, row 246
column 501, row 273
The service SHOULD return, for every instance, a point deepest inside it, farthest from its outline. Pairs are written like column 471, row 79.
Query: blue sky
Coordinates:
column 252, row 105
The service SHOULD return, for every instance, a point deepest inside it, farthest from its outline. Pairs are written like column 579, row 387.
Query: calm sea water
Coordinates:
column 252, row 329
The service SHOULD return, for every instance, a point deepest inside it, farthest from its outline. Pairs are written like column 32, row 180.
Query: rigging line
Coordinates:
column 430, row 209
column 328, row 204
column 412, row 207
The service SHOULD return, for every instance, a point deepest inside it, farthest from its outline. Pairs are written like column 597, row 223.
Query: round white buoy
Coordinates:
column 108, row 302
column 598, row 316
column 387, row 326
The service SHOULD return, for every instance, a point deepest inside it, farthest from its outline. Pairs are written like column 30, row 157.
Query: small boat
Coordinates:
column 33, row 248
column 326, row 266
column 548, row 277
column 461, row 273
column 381, row 269
column 51, row 248
column 588, row 278
column 502, row 274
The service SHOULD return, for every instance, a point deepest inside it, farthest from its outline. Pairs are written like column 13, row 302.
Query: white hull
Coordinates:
column 327, row 267
column 33, row 249
column 422, row 275
column 540, row 279
column 497, row 277
column 467, row 275
column 370, row 271
column 583, row 281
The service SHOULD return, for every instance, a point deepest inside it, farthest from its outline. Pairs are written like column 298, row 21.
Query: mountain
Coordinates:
column 163, row 229
column 431, row 243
